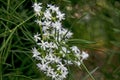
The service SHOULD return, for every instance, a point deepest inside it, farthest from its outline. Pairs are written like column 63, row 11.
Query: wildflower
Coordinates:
column 35, row 52
column 50, row 71
column 84, row 55
column 63, row 70
column 54, row 75
column 57, row 25
column 37, row 8
column 60, row 15
column 43, row 45
column 64, row 50
column 39, row 22
column 75, row 49
column 53, row 8
column 54, row 52
column 69, row 34
column 47, row 14
column 50, row 57
column 53, row 45
column 43, row 66
column 78, row 63
column 36, row 37
column 47, row 23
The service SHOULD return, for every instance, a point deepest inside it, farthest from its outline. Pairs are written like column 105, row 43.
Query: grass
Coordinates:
column 95, row 25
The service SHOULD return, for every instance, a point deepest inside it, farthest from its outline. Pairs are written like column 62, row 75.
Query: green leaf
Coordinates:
column 116, row 30
column 80, row 41
column 116, row 43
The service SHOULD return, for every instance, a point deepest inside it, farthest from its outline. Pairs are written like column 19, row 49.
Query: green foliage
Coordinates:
column 96, row 28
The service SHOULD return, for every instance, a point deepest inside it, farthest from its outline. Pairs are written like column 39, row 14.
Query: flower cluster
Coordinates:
column 52, row 52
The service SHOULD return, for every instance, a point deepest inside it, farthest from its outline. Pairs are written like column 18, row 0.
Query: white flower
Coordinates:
column 54, row 75
column 57, row 25
column 69, row 34
column 63, row 75
column 47, row 14
column 49, row 71
column 45, row 29
column 39, row 22
column 36, row 37
column 63, row 70
column 68, row 62
column 52, row 57
column 53, row 8
column 60, row 15
column 64, row 50
column 43, row 66
column 75, row 49
column 78, row 63
column 64, row 33
column 84, row 55
column 35, row 52
column 43, row 45
column 37, row 8
column 57, row 60
column 47, row 23
column 53, row 45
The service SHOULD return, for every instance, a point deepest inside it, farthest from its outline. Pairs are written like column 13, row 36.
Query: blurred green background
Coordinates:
column 95, row 22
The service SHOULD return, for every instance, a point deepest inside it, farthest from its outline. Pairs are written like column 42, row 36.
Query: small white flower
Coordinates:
column 45, row 29
column 57, row 25
column 68, row 62
column 43, row 45
column 84, row 55
column 63, row 75
column 35, row 52
column 64, row 50
column 53, row 45
column 49, row 71
column 47, row 14
column 50, row 57
column 60, row 15
column 63, row 70
column 37, row 8
column 53, row 8
column 69, row 34
column 39, row 22
column 43, row 66
column 36, row 37
column 75, row 49
column 47, row 23
column 61, row 67
column 78, row 63
column 57, row 60
column 54, row 75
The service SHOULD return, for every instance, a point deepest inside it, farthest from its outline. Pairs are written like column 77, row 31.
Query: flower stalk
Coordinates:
column 53, row 53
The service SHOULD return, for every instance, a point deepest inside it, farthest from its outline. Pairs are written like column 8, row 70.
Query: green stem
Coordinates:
column 8, row 6
column 12, row 32
column 87, row 71
column 41, row 33
column 0, row 66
